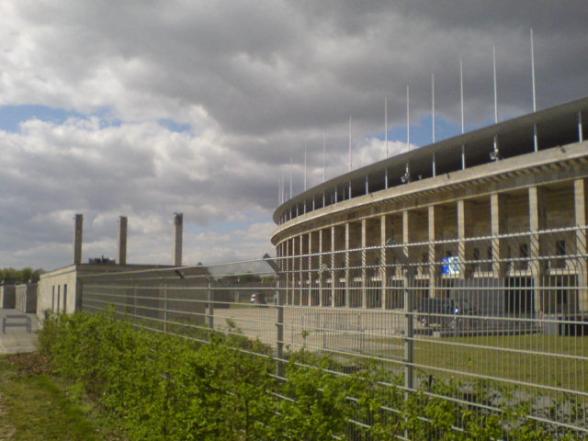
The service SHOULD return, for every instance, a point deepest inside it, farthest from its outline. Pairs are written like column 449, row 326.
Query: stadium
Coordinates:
column 492, row 221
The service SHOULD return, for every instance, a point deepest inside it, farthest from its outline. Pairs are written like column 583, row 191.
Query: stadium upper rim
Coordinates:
column 556, row 126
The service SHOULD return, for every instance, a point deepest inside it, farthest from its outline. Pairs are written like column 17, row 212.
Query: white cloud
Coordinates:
column 374, row 149
column 255, row 82
column 141, row 170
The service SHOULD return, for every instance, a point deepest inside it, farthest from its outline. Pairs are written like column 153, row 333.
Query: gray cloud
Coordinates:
column 257, row 81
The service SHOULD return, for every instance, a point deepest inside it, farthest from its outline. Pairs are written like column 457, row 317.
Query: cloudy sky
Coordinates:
column 154, row 107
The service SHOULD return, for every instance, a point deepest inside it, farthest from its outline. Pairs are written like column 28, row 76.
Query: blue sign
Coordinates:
column 450, row 266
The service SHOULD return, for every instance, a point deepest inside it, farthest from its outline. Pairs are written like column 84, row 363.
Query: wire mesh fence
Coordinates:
column 502, row 319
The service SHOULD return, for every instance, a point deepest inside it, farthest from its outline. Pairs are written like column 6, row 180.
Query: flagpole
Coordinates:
column 349, row 138
column 305, row 167
column 535, row 139
column 433, row 107
column 324, row 158
column 533, row 71
column 290, row 177
column 495, row 85
column 386, row 125
column 495, row 152
column 408, row 117
column 463, row 161
column 461, row 95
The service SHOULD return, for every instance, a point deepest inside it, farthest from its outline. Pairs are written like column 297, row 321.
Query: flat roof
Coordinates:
column 556, row 125
column 98, row 267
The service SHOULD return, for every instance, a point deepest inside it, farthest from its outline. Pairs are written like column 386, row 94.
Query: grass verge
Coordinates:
column 34, row 406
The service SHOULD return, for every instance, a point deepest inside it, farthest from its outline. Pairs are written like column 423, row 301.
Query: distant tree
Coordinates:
column 37, row 274
column 12, row 275
column 26, row 274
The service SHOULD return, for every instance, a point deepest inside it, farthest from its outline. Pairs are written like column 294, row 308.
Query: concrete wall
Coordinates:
column 26, row 297
column 7, row 299
column 60, row 290
column 521, row 203
column 57, row 291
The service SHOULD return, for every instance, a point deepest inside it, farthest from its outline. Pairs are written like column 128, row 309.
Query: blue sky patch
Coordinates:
column 421, row 132
column 12, row 116
column 174, row 126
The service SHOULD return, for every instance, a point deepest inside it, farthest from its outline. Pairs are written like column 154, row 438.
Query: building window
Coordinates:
column 424, row 267
column 489, row 257
column 65, row 298
column 560, row 251
column 560, row 248
column 476, row 253
column 53, row 298
column 476, row 258
column 523, row 264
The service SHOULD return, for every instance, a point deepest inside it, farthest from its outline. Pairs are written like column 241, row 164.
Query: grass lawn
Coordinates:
column 553, row 361
column 549, row 360
column 36, row 407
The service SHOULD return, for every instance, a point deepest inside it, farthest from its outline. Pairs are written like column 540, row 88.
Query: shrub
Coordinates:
column 168, row 388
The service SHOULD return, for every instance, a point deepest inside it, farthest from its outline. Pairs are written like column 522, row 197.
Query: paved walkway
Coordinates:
column 17, row 339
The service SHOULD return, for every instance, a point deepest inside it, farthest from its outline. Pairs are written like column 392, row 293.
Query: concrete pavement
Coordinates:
column 17, row 339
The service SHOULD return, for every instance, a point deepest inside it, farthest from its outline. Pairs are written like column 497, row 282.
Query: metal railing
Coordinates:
column 507, row 313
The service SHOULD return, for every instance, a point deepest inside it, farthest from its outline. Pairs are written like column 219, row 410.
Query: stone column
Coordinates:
column 78, row 233
column 405, row 249
column 301, row 279
column 461, row 235
column 321, row 276
column 363, row 263
column 178, row 238
column 582, row 268
column 278, row 254
column 432, row 212
column 333, row 262
column 287, row 269
column 383, row 260
column 310, row 270
column 294, row 269
column 498, row 268
column 347, row 265
column 535, row 225
column 122, row 240
column 405, row 233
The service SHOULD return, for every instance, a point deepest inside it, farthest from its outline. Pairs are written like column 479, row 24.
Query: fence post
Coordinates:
column 210, row 300
column 165, row 309
column 408, row 333
column 280, row 331
column 79, row 292
column 134, row 302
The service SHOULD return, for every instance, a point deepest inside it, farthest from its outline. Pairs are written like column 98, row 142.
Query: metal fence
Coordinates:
column 507, row 312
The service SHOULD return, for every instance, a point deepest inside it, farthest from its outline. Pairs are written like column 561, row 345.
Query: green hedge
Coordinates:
column 168, row 388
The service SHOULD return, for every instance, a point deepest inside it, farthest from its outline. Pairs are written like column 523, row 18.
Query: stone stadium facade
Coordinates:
column 499, row 210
